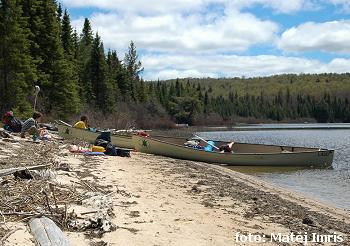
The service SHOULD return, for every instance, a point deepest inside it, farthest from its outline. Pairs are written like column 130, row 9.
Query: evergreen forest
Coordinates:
column 78, row 75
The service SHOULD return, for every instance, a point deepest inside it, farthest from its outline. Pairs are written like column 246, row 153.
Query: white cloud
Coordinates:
column 339, row 65
column 173, row 73
column 152, row 7
column 181, row 34
column 182, row 66
column 148, row 7
column 328, row 36
column 182, row 38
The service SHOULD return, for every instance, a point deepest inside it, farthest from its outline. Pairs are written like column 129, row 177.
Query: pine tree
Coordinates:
column 178, row 90
column 141, row 91
column 59, row 13
column 86, row 35
column 57, row 77
column 83, row 58
column 113, row 65
column 67, row 37
column 75, row 40
column 206, row 102
column 134, row 68
column 102, row 92
column 17, row 72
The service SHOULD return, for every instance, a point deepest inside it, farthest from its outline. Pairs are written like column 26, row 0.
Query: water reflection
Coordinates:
column 264, row 169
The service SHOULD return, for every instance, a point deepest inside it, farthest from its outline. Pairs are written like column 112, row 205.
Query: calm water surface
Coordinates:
column 330, row 186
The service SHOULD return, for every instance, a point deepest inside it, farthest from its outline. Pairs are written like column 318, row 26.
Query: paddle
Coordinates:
column 37, row 89
column 64, row 123
column 206, row 141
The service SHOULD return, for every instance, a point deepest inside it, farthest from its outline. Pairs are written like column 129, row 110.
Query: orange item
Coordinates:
column 98, row 149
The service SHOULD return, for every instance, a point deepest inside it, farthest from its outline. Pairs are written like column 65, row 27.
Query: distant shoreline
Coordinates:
column 187, row 131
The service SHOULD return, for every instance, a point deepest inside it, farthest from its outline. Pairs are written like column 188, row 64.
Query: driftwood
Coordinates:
column 46, row 232
column 30, row 214
column 9, row 171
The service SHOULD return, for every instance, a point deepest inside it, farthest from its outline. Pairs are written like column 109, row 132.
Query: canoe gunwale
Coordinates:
column 154, row 137
column 274, row 153
column 97, row 132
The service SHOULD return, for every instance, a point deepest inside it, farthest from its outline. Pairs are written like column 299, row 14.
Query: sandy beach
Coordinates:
column 152, row 200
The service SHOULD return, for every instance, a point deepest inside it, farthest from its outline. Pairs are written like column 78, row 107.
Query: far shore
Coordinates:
column 187, row 131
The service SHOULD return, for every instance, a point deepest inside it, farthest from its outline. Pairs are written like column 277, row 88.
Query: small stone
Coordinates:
column 195, row 189
column 64, row 167
column 308, row 221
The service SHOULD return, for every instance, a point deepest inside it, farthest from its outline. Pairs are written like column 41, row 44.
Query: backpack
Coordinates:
column 111, row 149
column 16, row 125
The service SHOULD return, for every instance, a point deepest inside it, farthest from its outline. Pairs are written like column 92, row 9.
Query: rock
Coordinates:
column 134, row 214
column 195, row 189
column 98, row 224
column 64, row 167
column 308, row 221
column 24, row 174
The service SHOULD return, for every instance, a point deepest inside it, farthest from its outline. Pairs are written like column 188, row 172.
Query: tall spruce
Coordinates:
column 101, row 93
column 59, row 12
column 83, row 58
column 57, row 76
column 134, row 67
column 67, row 37
column 113, row 64
column 17, row 73
column 75, row 40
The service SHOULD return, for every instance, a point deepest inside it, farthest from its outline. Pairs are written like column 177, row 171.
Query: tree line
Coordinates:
column 191, row 102
column 38, row 46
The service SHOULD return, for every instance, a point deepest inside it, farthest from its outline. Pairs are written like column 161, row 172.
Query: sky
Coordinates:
column 223, row 38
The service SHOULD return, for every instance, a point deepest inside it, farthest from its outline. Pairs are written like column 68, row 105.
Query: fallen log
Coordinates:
column 46, row 232
column 9, row 171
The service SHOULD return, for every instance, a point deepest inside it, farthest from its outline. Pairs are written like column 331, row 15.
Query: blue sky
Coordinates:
column 223, row 38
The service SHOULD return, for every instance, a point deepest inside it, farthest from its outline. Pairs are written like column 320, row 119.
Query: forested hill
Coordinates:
column 312, row 84
column 77, row 75
column 289, row 97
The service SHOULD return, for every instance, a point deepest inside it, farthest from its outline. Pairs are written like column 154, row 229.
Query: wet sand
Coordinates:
column 164, row 201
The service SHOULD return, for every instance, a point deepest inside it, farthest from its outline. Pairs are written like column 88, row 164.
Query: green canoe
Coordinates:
column 243, row 154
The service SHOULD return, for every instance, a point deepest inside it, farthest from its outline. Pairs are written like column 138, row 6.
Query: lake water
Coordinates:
column 331, row 186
